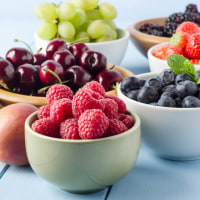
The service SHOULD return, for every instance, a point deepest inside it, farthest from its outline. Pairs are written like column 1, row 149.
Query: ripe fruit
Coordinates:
column 179, row 39
column 188, row 27
column 160, row 51
column 174, row 50
column 12, row 141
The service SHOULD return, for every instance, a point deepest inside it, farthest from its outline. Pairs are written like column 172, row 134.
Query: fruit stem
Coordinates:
column 28, row 46
column 54, row 74
column 40, row 49
column 112, row 67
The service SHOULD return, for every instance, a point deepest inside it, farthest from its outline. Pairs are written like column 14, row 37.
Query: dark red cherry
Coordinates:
column 93, row 61
column 18, row 56
column 64, row 57
column 39, row 58
column 77, row 50
column 7, row 73
column 108, row 78
column 46, row 77
column 54, row 45
column 77, row 77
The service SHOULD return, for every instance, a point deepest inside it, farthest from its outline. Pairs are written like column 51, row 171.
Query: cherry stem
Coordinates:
column 54, row 74
column 112, row 67
column 40, row 49
column 28, row 46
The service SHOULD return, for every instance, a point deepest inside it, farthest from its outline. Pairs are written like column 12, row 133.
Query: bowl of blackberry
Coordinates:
column 169, row 107
column 149, row 32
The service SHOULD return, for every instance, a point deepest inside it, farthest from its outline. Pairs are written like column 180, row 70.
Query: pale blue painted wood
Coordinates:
column 154, row 178
column 21, row 183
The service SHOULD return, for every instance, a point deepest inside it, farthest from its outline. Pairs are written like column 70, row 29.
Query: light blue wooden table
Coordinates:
column 152, row 178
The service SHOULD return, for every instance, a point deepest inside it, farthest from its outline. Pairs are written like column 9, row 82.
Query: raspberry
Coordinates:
column 115, row 127
column 83, row 100
column 92, row 124
column 46, row 126
column 95, row 86
column 69, row 129
column 61, row 110
column 57, row 92
column 188, row 27
column 121, row 105
column 160, row 51
column 94, row 94
column 111, row 108
column 126, row 119
column 43, row 112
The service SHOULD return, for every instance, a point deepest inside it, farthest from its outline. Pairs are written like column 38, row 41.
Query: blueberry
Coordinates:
column 132, row 94
column 154, row 82
column 186, row 88
column 142, row 82
column 167, row 77
column 171, row 89
column 178, row 102
column 191, row 102
column 169, row 94
column 148, row 94
column 130, row 83
column 166, row 101
column 181, row 77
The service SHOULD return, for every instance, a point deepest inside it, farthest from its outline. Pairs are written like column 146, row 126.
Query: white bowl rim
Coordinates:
column 84, row 141
column 149, row 106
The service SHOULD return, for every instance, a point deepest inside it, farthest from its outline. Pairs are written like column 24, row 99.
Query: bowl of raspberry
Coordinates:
column 82, row 142
column 169, row 107
column 149, row 32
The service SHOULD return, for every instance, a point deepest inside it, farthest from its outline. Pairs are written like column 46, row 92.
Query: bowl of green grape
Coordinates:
column 88, row 22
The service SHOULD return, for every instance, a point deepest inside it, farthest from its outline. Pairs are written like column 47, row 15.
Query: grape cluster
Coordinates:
column 77, row 20
column 23, row 72
column 172, row 22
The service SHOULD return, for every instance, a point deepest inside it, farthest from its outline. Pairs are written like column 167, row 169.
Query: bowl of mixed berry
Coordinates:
column 149, row 32
column 168, row 104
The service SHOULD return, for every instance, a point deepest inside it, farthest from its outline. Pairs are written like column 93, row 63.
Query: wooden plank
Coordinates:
column 156, row 178
column 22, row 183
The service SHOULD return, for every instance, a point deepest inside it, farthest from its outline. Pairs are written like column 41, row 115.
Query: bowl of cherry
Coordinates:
column 25, row 77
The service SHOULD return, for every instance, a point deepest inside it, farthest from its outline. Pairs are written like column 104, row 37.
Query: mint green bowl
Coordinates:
column 82, row 166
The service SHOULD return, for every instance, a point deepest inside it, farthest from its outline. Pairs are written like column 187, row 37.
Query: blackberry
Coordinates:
column 169, row 29
column 192, row 8
column 176, row 18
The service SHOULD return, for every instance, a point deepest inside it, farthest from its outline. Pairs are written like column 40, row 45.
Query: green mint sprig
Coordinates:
column 179, row 64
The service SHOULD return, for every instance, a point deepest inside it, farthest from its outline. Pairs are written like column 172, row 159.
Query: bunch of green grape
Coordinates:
column 77, row 20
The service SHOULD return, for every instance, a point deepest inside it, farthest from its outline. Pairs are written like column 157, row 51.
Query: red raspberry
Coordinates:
column 61, row 110
column 83, row 100
column 94, row 94
column 121, row 104
column 115, row 127
column 43, row 112
column 69, row 129
column 111, row 108
column 95, row 86
column 160, row 51
column 57, row 92
column 46, row 126
column 126, row 119
column 92, row 124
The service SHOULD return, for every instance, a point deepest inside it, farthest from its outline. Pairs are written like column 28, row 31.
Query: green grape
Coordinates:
column 79, row 18
column 110, row 32
column 110, row 23
column 82, row 37
column 107, row 11
column 92, row 4
column 66, row 29
column 84, row 26
column 105, row 38
column 47, row 30
column 93, row 14
column 66, row 11
column 68, row 40
column 97, row 29
column 45, row 11
column 85, row 4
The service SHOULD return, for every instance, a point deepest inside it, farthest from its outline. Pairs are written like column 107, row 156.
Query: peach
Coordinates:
column 12, row 138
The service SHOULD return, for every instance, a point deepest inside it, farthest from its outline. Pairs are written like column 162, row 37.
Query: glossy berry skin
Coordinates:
column 190, row 102
column 64, row 57
column 46, row 77
column 28, row 78
column 167, row 77
column 154, row 82
column 166, row 101
column 39, row 58
column 54, row 45
column 108, row 77
column 77, row 50
column 181, row 77
column 77, row 77
column 92, row 61
column 7, row 72
column 130, row 83
column 18, row 56
column 132, row 94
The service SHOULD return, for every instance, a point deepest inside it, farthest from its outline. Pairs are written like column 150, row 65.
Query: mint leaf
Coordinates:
column 179, row 64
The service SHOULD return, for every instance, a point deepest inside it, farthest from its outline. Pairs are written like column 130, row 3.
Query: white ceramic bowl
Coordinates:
column 114, row 50
column 82, row 166
column 171, row 133
column 156, row 64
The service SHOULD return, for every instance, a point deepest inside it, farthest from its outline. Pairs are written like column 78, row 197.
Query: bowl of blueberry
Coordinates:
column 169, row 107
column 149, row 32
column 91, row 23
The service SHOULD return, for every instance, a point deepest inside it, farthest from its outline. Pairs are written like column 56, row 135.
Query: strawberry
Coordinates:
column 195, row 61
column 192, row 48
column 179, row 39
column 160, row 51
column 188, row 27
column 174, row 50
